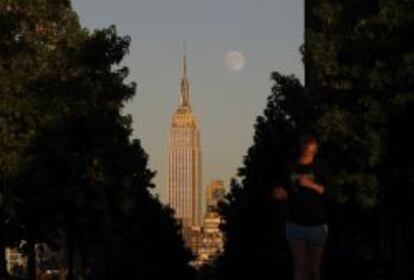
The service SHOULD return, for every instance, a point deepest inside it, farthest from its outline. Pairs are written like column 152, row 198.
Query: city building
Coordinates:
column 15, row 261
column 47, row 262
column 211, row 239
column 184, row 166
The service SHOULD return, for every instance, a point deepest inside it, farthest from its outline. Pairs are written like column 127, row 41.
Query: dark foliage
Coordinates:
column 71, row 176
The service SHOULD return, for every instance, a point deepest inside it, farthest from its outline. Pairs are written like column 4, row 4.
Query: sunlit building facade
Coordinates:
column 184, row 165
column 16, row 261
column 211, row 239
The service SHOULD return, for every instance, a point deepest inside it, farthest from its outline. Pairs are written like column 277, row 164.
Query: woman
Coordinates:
column 304, row 186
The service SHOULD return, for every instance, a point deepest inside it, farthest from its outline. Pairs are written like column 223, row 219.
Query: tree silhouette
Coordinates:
column 358, row 100
column 360, row 58
column 255, row 244
column 73, row 176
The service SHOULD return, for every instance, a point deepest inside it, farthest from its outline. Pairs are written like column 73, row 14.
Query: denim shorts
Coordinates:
column 312, row 235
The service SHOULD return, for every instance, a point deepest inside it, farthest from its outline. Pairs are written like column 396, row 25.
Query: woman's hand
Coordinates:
column 308, row 182
column 279, row 193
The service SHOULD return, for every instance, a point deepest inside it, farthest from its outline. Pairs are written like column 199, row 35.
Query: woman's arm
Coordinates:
column 307, row 182
column 279, row 193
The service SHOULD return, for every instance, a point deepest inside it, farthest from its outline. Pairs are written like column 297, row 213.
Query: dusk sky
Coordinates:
column 267, row 32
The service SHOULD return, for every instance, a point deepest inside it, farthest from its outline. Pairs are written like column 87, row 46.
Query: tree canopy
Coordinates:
column 358, row 100
column 72, row 176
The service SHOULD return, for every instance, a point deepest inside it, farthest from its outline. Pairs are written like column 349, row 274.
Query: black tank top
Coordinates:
column 306, row 206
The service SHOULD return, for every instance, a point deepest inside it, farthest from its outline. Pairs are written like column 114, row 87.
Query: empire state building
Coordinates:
column 184, row 163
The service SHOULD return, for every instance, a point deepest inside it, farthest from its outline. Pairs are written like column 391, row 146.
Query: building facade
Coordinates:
column 16, row 261
column 184, row 165
column 211, row 239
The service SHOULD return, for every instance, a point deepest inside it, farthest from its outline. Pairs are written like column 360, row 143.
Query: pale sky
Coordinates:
column 267, row 32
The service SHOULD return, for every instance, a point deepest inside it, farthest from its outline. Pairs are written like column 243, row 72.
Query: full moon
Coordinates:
column 235, row 61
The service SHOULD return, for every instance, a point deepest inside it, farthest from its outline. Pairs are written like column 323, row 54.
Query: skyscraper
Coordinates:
column 184, row 164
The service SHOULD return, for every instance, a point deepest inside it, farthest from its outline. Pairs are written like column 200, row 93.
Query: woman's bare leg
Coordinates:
column 298, row 249
column 314, row 260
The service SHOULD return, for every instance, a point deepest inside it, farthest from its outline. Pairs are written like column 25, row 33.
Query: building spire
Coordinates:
column 184, row 62
column 185, row 85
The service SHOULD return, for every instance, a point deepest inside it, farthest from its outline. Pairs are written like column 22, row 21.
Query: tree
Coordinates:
column 254, row 222
column 358, row 99
column 27, row 55
column 360, row 58
column 67, row 152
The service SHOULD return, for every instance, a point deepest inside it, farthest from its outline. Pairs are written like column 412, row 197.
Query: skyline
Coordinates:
column 268, row 33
